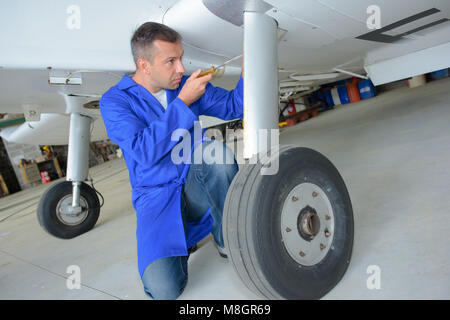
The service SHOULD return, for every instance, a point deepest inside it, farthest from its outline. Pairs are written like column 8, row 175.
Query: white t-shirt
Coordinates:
column 161, row 96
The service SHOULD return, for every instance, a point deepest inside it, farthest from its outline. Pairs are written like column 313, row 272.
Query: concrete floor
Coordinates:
column 393, row 152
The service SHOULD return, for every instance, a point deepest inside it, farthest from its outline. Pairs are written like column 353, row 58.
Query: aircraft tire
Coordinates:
column 289, row 235
column 51, row 207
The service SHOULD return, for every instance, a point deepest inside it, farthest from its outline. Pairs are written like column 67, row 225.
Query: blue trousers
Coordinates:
column 206, row 186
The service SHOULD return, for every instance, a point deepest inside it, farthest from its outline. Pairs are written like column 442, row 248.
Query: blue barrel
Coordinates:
column 343, row 94
column 314, row 98
column 328, row 98
column 440, row 74
column 366, row 89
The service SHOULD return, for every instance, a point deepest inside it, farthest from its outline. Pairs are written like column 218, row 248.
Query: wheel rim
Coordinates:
column 307, row 224
column 66, row 216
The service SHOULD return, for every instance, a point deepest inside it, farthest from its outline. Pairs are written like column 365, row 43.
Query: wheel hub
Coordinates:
column 66, row 213
column 307, row 210
column 308, row 223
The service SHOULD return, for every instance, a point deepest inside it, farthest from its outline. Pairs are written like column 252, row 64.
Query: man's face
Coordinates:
column 166, row 69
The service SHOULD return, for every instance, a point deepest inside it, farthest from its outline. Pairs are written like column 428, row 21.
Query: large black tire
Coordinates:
column 50, row 208
column 255, row 236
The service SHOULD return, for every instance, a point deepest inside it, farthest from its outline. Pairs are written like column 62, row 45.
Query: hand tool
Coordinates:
column 214, row 69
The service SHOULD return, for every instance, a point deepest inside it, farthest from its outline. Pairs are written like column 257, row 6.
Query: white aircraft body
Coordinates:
column 55, row 52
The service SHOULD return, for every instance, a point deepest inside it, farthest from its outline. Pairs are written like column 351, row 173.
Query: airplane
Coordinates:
column 289, row 235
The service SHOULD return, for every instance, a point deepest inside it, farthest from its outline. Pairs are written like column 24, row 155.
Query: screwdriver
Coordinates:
column 214, row 69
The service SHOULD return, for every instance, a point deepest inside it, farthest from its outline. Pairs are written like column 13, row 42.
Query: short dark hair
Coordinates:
column 143, row 37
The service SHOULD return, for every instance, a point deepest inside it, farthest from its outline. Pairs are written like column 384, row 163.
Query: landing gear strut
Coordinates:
column 71, row 208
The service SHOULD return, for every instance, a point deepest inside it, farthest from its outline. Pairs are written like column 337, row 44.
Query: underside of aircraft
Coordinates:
column 289, row 234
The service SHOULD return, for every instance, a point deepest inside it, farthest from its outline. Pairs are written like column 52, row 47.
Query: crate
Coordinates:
column 30, row 173
column 3, row 187
column 52, row 167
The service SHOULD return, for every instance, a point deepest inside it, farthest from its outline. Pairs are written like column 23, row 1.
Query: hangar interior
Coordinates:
column 393, row 152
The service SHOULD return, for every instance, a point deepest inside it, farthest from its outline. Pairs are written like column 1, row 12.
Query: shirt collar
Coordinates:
column 126, row 82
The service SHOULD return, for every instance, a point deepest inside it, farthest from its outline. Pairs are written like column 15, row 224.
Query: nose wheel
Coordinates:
column 59, row 218
column 289, row 235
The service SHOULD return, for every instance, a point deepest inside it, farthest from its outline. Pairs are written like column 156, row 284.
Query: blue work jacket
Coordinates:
column 139, row 125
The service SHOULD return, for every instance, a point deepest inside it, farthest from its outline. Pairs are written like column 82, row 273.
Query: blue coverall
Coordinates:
column 139, row 125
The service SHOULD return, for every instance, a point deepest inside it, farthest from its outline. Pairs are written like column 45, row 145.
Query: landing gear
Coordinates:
column 289, row 235
column 57, row 216
column 71, row 208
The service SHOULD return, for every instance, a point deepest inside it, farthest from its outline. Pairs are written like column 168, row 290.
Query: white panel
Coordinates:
column 443, row 5
column 202, row 29
column 38, row 133
column 38, row 34
column 440, row 35
column 300, row 34
column 314, row 13
column 22, row 87
column 391, row 11
column 416, row 63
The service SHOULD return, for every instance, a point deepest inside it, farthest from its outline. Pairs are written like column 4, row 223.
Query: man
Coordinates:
column 177, row 204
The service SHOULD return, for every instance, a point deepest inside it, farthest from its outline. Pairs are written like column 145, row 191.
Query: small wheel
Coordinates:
column 289, row 235
column 56, row 219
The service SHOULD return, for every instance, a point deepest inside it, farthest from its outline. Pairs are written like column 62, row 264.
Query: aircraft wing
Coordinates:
column 60, row 57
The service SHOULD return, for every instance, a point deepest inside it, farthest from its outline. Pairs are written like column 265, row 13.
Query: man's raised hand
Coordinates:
column 194, row 87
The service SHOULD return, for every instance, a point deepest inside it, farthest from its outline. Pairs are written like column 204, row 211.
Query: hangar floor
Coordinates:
column 393, row 152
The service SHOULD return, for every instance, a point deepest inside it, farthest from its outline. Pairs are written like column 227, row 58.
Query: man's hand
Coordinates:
column 194, row 87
